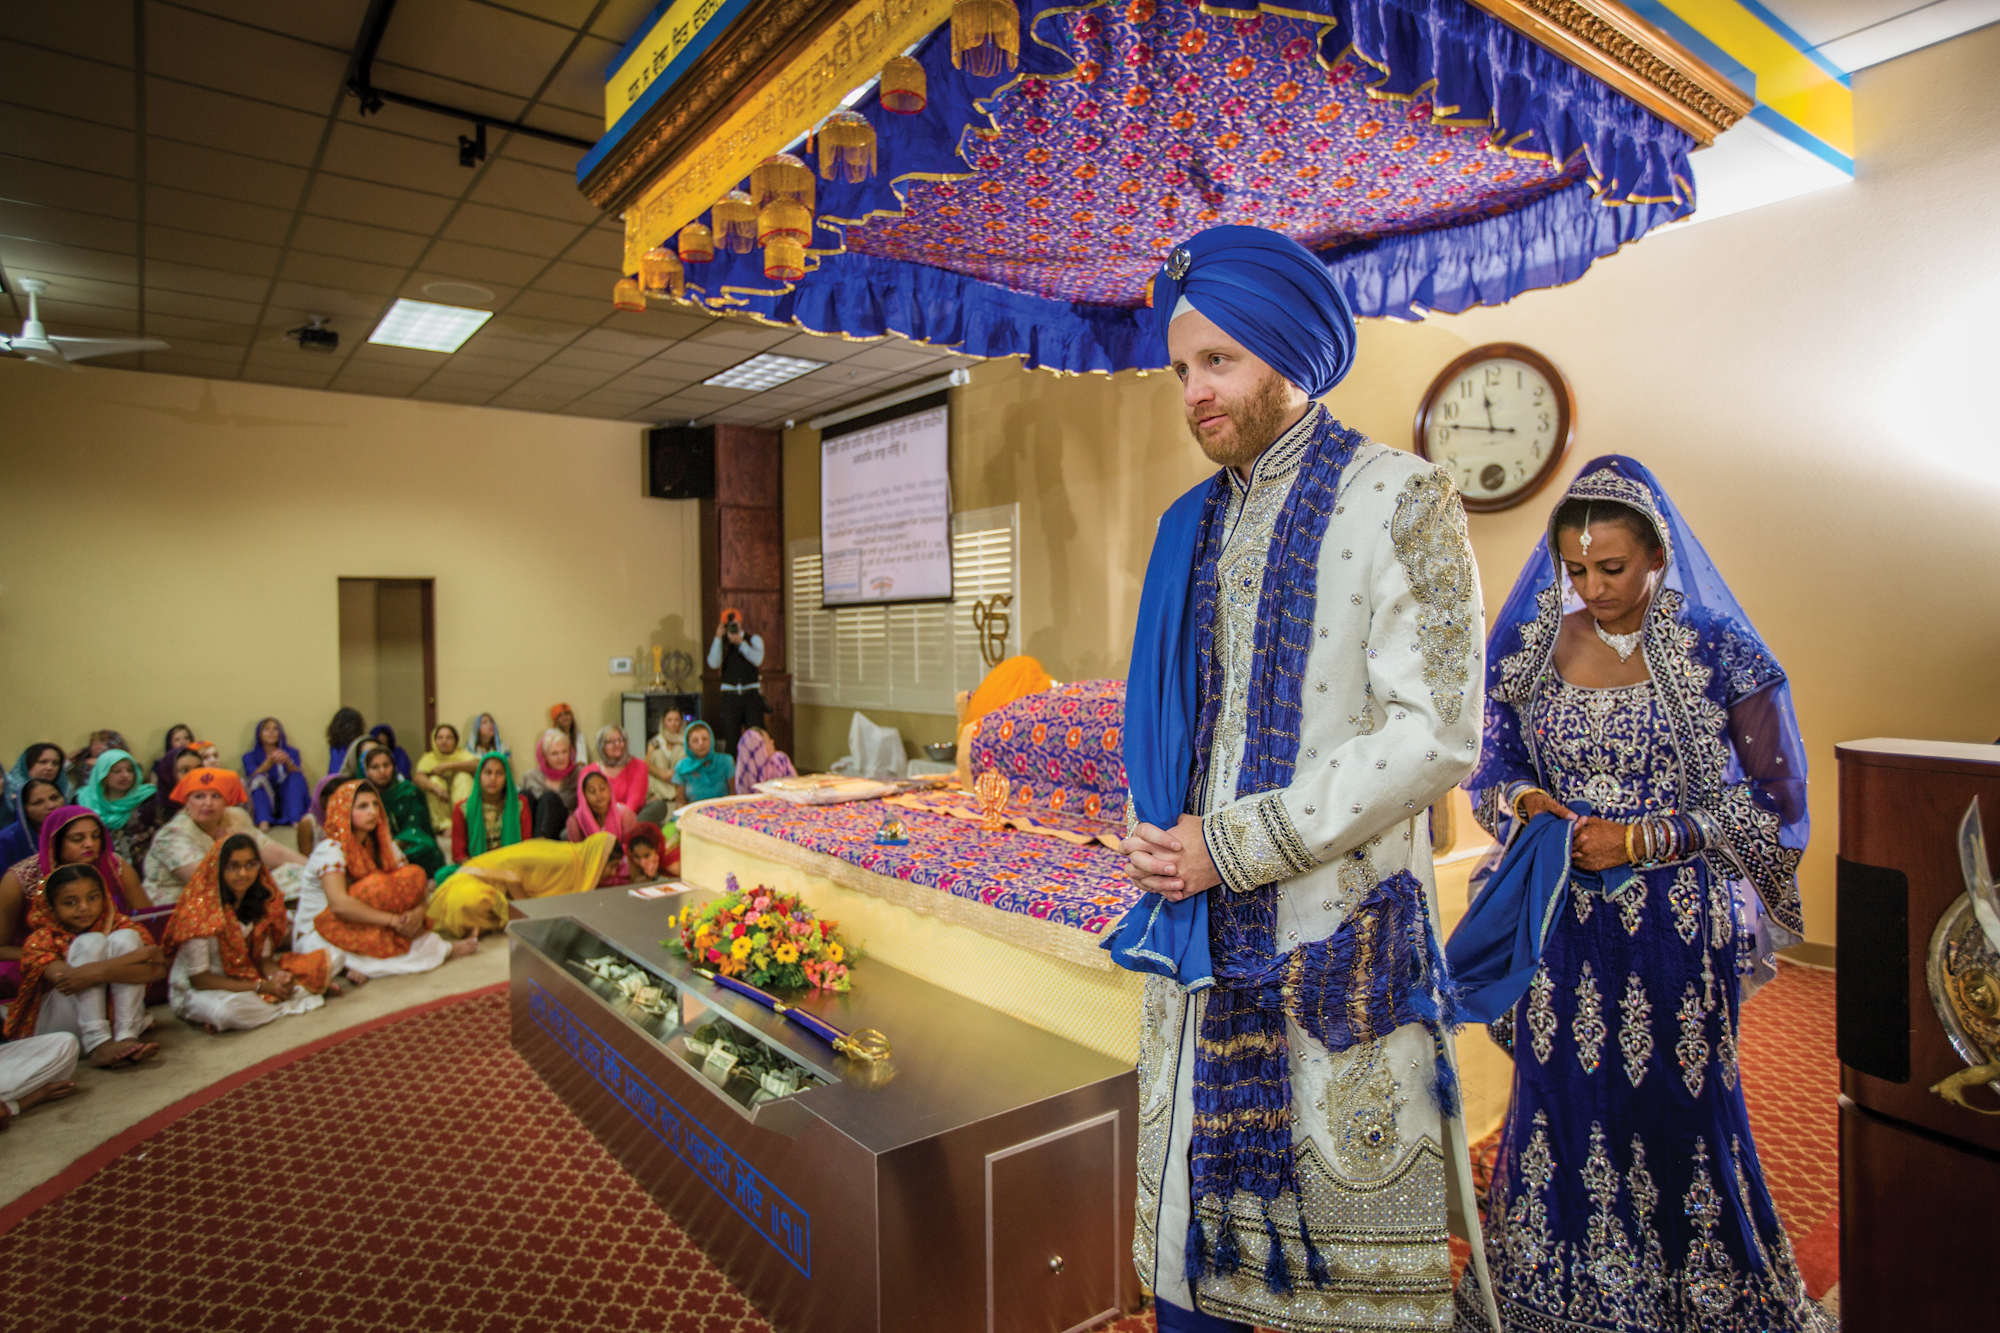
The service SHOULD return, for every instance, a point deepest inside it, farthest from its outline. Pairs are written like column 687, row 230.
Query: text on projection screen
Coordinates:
column 885, row 512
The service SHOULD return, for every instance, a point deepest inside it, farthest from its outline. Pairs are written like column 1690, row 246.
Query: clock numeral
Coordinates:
column 1450, row 410
column 1539, row 391
column 1465, row 387
column 1492, row 374
column 1440, row 437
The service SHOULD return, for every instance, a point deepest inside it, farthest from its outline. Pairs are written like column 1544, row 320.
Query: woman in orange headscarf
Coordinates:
column 362, row 899
column 229, row 938
column 85, row 967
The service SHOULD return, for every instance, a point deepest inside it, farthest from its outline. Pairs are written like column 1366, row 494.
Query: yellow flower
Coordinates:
column 834, row 953
column 767, row 921
column 703, row 938
column 741, row 948
column 788, row 953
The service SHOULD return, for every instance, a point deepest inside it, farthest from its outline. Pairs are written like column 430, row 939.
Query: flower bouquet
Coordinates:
column 767, row 938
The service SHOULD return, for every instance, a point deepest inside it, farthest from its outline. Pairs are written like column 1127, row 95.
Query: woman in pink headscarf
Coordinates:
column 598, row 810
column 550, row 785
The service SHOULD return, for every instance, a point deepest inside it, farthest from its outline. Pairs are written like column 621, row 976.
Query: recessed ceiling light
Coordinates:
column 764, row 371
column 427, row 327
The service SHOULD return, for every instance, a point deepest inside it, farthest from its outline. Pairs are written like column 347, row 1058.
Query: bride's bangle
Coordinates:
column 1522, row 795
column 1631, row 857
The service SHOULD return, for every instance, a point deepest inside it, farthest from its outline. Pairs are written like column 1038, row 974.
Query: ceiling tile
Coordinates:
column 812, row 348
column 190, row 345
column 510, row 184
column 707, row 397
column 347, row 274
column 190, row 305
column 506, row 229
column 620, row 20
column 328, row 299
column 237, row 58
column 624, row 344
column 560, row 120
column 193, row 114
column 217, row 252
column 101, row 29
column 577, row 280
column 534, row 152
column 41, row 258
column 491, row 367
column 366, row 153
column 571, row 14
column 743, row 335
column 698, row 360
column 468, row 380
column 91, row 320
column 547, row 305
column 658, row 386
column 220, row 217
column 190, row 336
column 455, row 290
column 231, row 175
column 550, row 333
column 458, row 260
column 297, row 377
column 65, row 187
column 550, row 374
column 432, row 392
column 844, row 375
column 173, row 363
column 602, row 247
column 579, row 84
column 45, row 137
column 67, row 85
column 355, row 240
column 206, row 281
column 382, row 205
column 67, row 227
column 474, row 44
column 584, row 358
column 533, row 399
column 402, row 360
column 660, row 321
column 881, row 357
column 408, row 121
column 330, row 23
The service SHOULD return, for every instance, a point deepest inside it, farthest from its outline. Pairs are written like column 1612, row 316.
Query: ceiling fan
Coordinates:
column 34, row 342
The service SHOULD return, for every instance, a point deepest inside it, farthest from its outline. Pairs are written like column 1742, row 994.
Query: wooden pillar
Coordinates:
column 743, row 564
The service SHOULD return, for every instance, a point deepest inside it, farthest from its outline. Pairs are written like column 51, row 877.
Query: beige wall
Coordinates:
column 1806, row 379
column 177, row 545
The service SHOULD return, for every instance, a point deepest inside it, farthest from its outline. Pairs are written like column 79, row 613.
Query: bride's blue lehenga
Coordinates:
column 1627, row 1194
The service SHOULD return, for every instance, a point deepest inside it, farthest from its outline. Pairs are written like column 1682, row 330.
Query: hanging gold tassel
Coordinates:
column 735, row 218
column 985, row 36
column 847, row 147
column 784, row 261
column 1149, row 293
column 784, row 220
column 905, row 88
column 696, row 245
column 782, row 176
column 626, row 295
column 661, row 274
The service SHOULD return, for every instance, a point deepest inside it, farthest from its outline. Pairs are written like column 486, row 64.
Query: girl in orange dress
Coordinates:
column 84, row 969
column 362, row 899
column 229, row 938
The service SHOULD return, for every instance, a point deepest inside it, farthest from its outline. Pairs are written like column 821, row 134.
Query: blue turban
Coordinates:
column 1267, row 292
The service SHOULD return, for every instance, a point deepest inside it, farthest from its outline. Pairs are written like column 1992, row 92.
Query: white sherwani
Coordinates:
column 1390, row 722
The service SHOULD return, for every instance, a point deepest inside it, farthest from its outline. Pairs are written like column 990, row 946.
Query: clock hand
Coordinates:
column 1490, row 430
column 1487, row 399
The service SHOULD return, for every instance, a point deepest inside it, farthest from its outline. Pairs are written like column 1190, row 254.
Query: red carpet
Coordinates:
column 416, row 1176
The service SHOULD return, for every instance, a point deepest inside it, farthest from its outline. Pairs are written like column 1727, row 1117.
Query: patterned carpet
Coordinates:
column 376, row 1183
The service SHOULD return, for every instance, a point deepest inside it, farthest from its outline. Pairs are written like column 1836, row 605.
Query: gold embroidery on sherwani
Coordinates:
column 1430, row 538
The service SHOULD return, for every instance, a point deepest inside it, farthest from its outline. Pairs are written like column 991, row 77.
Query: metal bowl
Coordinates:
column 945, row 752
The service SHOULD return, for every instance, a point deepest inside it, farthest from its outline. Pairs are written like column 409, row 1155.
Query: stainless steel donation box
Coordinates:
column 981, row 1178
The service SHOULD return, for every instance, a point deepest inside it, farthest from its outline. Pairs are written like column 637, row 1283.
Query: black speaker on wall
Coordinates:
column 680, row 462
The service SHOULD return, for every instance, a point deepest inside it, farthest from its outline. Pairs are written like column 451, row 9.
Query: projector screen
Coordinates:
column 885, row 508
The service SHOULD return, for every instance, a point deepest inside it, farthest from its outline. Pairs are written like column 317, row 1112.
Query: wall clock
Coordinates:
column 1499, row 419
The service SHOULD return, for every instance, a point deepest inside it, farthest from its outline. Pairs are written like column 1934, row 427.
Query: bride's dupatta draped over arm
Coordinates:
column 1728, row 703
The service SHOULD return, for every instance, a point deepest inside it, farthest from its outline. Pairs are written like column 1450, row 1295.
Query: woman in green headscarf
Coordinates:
column 121, row 803
column 408, row 813
column 495, row 815
column 703, row 774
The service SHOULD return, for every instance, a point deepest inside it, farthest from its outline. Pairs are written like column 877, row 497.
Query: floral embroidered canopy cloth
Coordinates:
column 1434, row 156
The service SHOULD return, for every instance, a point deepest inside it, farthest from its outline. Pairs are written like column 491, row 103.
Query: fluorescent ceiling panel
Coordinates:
column 764, row 371
column 428, row 327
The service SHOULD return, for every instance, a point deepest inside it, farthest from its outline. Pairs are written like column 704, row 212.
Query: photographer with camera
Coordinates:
column 738, row 654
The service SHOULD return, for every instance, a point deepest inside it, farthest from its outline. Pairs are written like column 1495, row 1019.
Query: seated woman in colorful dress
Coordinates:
column 551, row 784
column 124, row 806
column 85, row 759
column 473, row 898
column 1627, row 1193
column 649, row 855
column 596, row 810
column 704, row 774
column 277, row 783
column 72, row 835
column 625, row 770
column 213, row 805
column 444, row 775
column 384, row 735
column 663, row 754
column 345, row 728
column 485, row 734
column 43, row 760
column 363, row 898
column 84, row 970
column 495, row 816
column 20, row 838
column 230, row 939
column 759, row 760
column 409, row 816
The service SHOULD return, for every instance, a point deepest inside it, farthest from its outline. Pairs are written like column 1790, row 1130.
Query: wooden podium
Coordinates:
column 1919, row 1177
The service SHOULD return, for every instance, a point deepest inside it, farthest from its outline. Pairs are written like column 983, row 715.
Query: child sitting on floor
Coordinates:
column 34, row 1070
column 229, row 937
column 84, row 970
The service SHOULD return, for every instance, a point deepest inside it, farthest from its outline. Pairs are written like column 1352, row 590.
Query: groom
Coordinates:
column 1306, row 682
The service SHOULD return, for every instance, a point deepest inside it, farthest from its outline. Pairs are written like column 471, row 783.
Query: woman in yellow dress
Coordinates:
column 473, row 899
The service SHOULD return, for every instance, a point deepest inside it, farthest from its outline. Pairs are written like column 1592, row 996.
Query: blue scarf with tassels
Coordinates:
column 1379, row 971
